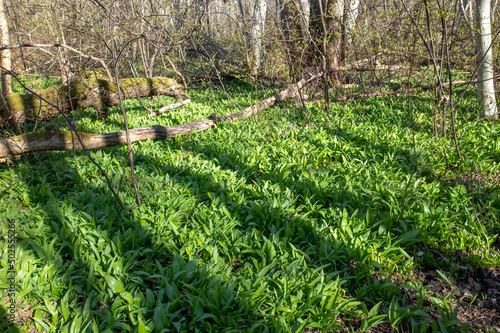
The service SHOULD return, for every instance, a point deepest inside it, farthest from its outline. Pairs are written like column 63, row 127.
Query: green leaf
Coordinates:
column 369, row 217
column 410, row 235
column 375, row 309
column 141, row 327
column 64, row 310
column 443, row 277
column 158, row 318
column 115, row 285
column 95, row 326
column 127, row 296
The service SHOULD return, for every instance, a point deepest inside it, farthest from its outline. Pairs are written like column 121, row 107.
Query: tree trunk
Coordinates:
column 79, row 94
column 294, row 22
column 305, row 13
column 5, row 54
column 333, row 10
column 352, row 10
column 290, row 29
column 484, row 60
column 258, row 26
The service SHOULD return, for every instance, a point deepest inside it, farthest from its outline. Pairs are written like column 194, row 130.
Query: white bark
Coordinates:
column 339, row 8
column 484, row 60
column 352, row 10
column 258, row 26
column 305, row 13
column 5, row 54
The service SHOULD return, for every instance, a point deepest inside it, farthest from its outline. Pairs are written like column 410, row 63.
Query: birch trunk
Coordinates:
column 5, row 54
column 349, row 15
column 484, row 60
column 352, row 10
column 305, row 13
column 258, row 26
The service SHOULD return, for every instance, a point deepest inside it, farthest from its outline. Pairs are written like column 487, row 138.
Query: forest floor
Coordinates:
column 359, row 219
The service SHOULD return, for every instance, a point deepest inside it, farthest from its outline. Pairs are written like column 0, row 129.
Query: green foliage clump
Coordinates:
column 282, row 222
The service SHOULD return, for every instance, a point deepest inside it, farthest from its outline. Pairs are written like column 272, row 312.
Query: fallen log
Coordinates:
column 81, row 93
column 169, row 107
column 367, row 68
column 51, row 138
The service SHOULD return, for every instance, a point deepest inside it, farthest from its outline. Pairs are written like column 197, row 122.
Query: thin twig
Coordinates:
column 40, row 46
column 465, row 129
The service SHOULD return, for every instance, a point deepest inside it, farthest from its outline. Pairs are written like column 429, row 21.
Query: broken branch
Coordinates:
column 51, row 138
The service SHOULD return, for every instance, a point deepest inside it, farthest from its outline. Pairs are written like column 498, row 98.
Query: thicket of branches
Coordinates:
column 272, row 38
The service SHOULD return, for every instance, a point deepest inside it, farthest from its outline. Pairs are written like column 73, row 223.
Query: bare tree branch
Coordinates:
column 40, row 46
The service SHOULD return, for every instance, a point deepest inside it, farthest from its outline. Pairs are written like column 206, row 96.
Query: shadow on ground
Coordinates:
column 213, row 256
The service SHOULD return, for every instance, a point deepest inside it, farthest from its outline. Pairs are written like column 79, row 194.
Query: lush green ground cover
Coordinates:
column 281, row 222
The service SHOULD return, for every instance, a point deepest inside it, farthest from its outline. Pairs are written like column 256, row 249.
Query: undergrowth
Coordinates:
column 282, row 222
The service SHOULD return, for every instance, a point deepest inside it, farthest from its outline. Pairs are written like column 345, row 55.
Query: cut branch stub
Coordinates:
column 80, row 93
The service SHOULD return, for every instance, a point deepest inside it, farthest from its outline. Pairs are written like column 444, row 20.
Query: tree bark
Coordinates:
column 5, row 54
column 305, row 13
column 484, row 60
column 349, row 23
column 333, row 10
column 294, row 23
column 78, row 94
column 50, row 138
column 258, row 26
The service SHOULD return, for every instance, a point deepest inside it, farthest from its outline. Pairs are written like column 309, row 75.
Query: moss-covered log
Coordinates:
column 51, row 138
column 80, row 93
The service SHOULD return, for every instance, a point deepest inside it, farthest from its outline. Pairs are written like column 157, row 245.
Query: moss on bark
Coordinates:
column 82, row 93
